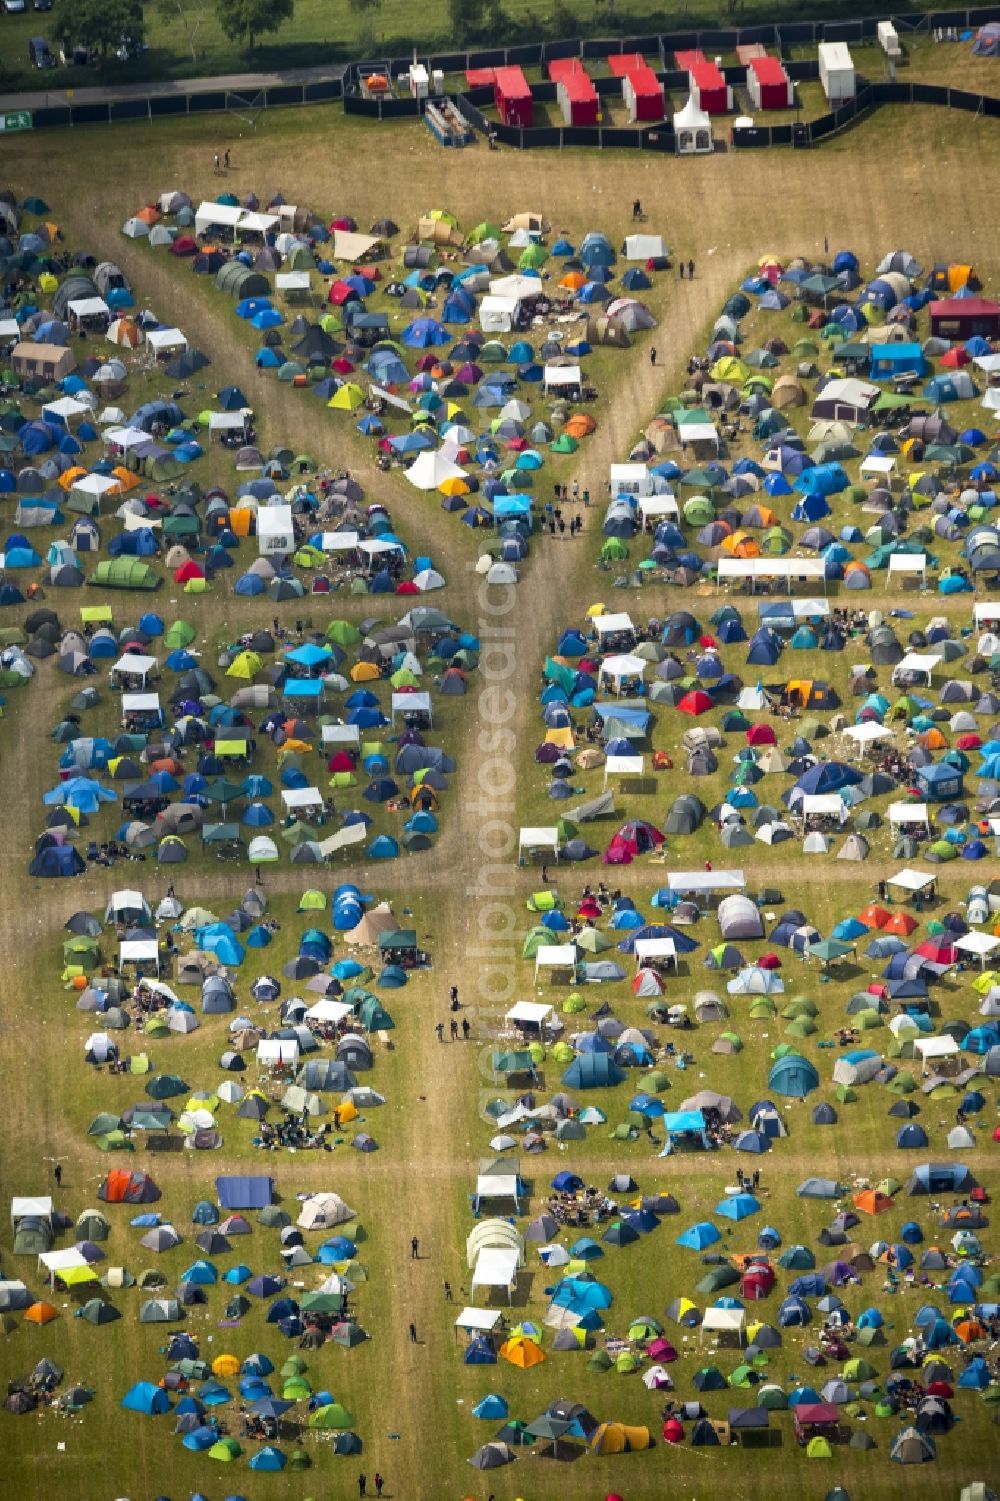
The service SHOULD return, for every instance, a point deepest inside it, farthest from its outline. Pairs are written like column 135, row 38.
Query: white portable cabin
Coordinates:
column 887, row 39
column 836, row 71
column 419, row 81
column 275, row 532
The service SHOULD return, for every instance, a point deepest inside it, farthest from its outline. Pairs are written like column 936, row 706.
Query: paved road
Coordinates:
column 236, row 83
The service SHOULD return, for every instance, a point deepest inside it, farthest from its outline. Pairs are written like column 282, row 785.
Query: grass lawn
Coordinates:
column 412, row 1403
column 321, row 33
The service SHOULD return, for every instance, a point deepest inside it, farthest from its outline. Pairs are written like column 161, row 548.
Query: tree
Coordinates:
column 101, row 25
column 246, row 20
column 466, row 17
column 367, row 10
column 189, row 14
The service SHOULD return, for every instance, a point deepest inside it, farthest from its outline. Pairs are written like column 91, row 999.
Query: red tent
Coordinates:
column 761, row 734
column 695, row 702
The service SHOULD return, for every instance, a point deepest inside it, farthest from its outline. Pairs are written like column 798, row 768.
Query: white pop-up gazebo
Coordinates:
column 538, row 841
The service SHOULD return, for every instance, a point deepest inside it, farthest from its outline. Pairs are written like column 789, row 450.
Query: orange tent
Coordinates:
column 580, row 425
column 241, row 519
column 741, row 545
column 68, row 479
column 149, row 215
column 41, row 1313
column 573, row 281
column 125, row 477
column 871, row 1201
column 874, row 916
column 901, row 924
column 969, row 1330
column 932, row 740
column 522, row 1352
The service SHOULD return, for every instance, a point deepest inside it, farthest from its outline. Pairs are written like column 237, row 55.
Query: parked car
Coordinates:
column 39, row 55
column 42, row 4
column 15, row 7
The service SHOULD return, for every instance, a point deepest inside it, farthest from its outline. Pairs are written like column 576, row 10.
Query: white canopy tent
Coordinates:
column 623, row 766
column 412, row 703
column 910, row 814
column 980, row 945
column 273, row 1052
column 141, row 703
column 823, row 805
column 292, row 282
column 706, row 880
column 164, row 341
column 477, row 1320
column 741, row 570
column 496, row 1266
column 538, row 841
column 302, row 799
column 724, row 1321
column 912, row 881
column 531, row 1013
column 652, row 506
column 908, row 565
column 133, row 665
column 618, row 670
column 556, row 956
column 562, row 378
column 226, row 215
column 931, row 1048
column 916, row 664
column 655, row 951
column 30, row 1206
column 614, row 623
column 695, row 429
column 139, row 951
column 868, row 733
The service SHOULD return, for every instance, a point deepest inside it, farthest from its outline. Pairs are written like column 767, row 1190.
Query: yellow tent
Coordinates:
column 225, row 1365
column 347, row 398
column 364, row 672
column 564, row 738
column 619, row 1438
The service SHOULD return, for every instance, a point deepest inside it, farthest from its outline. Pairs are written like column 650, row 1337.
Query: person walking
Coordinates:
column 379, row 1483
column 453, row 997
column 652, row 354
column 454, row 1030
column 362, row 1484
column 447, row 1293
column 439, row 1029
column 57, row 1174
column 466, row 1029
column 413, row 1334
column 414, row 1249
column 690, row 270
column 225, row 159
column 215, row 164
column 680, row 267
column 545, row 874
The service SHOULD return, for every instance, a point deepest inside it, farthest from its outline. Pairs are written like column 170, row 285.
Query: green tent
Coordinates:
column 124, row 573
